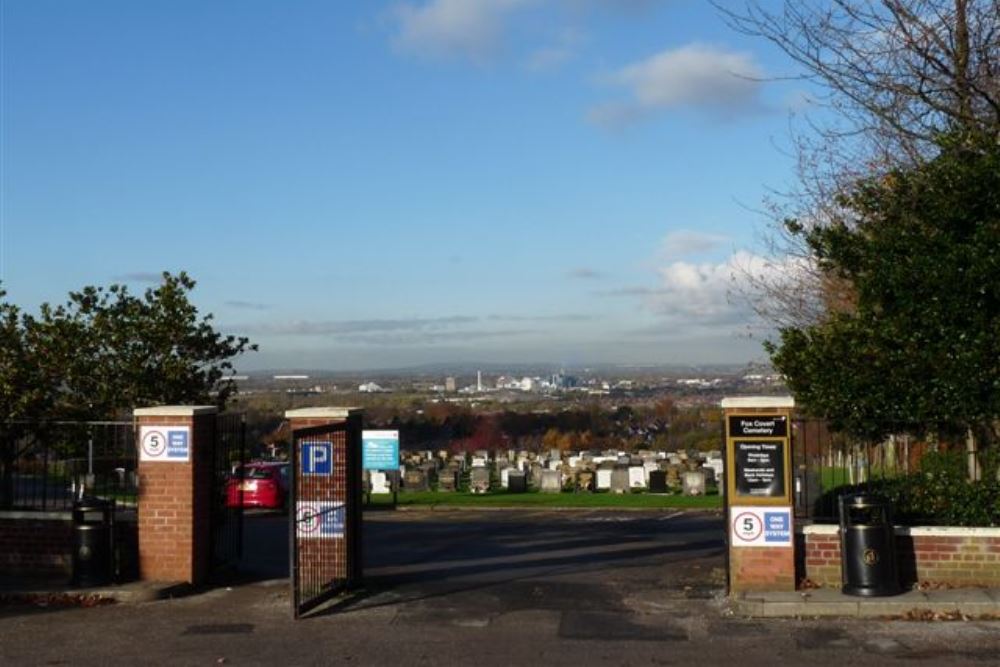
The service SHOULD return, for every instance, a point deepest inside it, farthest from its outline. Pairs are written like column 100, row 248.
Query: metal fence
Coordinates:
column 226, row 512
column 46, row 466
column 825, row 463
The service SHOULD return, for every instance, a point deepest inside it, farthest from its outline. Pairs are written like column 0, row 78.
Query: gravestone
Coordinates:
column 585, row 481
column 657, row 481
column 673, row 475
column 648, row 467
column 448, row 480
column 636, row 477
column 478, row 461
column 380, row 482
column 551, row 481
column 619, row 480
column 517, row 482
column 479, row 479
column 603, row 479
column 554, row 464
column 505, row 477
column 535, row 479
column 415, row 480
column 694, row 483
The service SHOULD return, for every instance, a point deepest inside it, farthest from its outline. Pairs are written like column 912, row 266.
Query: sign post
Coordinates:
column 759, row 514
column 380, row 451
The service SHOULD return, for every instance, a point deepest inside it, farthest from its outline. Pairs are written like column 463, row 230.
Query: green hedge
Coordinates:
column 940, row 493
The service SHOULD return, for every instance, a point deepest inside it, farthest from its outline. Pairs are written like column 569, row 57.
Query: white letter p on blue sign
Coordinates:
column 317, row 458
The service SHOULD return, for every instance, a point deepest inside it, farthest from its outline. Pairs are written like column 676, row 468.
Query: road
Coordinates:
column 487, row 588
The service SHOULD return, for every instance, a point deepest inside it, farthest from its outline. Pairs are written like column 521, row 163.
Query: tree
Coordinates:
column 119, row 351
column 889, row 78
column 103, row 352
column 921, row 349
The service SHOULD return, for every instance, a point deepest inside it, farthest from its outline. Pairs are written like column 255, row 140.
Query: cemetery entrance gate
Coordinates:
column 325, row 513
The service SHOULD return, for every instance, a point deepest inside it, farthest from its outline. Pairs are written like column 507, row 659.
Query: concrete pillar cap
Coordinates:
column 176, row 411
column 322, row 413
column 758, row 402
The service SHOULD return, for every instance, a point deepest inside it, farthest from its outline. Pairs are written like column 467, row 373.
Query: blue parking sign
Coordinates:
column 317, row 458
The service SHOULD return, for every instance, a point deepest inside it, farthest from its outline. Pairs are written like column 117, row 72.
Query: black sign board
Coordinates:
column 760, row 468
column 758, row 426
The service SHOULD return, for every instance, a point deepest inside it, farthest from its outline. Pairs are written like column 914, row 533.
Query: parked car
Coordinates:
column 261, row 485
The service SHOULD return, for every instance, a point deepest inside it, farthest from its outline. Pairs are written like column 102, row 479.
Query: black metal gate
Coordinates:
column 325, row 519
column 226, row 506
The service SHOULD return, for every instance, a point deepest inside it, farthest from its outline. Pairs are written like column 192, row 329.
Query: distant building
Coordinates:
column 370, row 388
column 449, row 384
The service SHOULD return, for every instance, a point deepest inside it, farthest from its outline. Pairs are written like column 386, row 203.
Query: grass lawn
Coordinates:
column 582, row 500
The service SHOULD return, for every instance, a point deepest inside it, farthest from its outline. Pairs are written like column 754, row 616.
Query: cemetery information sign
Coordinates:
column 760, row 468
column 165, row 444
column 380, row 450
column 758, row 451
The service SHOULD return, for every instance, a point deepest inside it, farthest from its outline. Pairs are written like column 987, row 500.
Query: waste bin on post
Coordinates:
column 93, row 526
column 867, row 546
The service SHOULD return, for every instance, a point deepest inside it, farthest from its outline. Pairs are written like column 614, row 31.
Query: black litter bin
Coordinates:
column 93, row 526
column 867, row 546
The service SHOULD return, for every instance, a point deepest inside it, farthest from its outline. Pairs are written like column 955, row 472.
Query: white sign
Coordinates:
column 319, row 519
column 166, row 444
column 760, row 526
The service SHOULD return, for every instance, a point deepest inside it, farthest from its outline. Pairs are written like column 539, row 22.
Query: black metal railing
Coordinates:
column 825, row 463
column 47, row 466
column 228, row 455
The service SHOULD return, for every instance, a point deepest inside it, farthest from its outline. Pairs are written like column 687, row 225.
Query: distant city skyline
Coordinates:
column 384, row 185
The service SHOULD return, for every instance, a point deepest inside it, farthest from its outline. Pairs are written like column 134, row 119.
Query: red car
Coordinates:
column 259, row 485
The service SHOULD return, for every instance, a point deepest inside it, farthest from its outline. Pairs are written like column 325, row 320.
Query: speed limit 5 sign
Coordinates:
column 760, row 526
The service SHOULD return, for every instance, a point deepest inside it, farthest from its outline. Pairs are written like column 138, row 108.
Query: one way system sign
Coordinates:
column 319, row 519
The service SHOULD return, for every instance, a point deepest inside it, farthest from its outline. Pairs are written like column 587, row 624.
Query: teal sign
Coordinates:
column 380, row 450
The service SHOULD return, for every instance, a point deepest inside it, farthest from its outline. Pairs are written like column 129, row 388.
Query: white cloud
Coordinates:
column 703, row 298
column 693, row 76
column 564, row 49
column 453, row 28
column 685, row 242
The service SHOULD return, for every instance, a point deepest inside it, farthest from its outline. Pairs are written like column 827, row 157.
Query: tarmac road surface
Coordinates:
column 487, row 588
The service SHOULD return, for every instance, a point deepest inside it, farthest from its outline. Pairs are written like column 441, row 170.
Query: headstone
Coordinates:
column 657, row 481
column 448, row 480
column 551, row 481
column 517, row 482
column 619, row 480
column 648, row 467
column 573, row 461
column 535, row 479
column 673, row 475
column 415, row 480
column 636, row 477
column 478, row 461
column 505, row 477
column 380, row 482
column 709, row 474
column 694, row 483
column 554, row 464
column 603, row 479
column 585, row 481
column 479, row 479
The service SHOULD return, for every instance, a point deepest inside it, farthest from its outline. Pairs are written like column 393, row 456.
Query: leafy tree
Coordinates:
column 120, row 351
column 103, row 352
column 885, row 79
column 921, row 348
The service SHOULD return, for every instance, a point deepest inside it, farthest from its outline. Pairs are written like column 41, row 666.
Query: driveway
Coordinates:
column 487, row 588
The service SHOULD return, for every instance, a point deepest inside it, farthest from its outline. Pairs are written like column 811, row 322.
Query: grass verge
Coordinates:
column 552, row 500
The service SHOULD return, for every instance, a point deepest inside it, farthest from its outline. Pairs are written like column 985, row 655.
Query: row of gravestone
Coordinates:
column 614, row 479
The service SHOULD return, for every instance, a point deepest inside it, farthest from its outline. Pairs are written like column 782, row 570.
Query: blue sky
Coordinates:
column 362, row 184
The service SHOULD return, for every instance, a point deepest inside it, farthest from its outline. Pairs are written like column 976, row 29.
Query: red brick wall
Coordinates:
column 36, row 547
column 41, row 547
column 954, row 559
column 762, row 569
column 174, row 507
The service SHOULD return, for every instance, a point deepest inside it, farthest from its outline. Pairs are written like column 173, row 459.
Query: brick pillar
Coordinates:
column 338, row 558
column 759, row 511
column 175, row 475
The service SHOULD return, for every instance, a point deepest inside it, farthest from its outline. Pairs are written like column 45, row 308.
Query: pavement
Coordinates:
column 940, row 604
column 492, row 588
